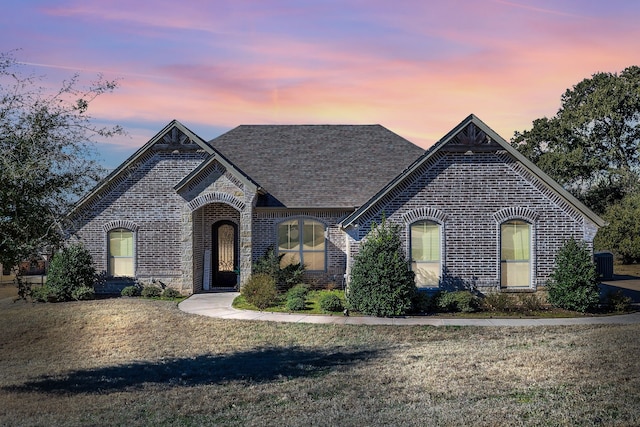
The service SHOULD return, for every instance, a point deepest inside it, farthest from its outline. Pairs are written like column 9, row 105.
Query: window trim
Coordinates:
column 300, row 251
column 441, row 229
column 134, row 251
column 532, row 254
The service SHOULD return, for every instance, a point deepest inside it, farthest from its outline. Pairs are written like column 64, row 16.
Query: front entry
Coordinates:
column 225, row 254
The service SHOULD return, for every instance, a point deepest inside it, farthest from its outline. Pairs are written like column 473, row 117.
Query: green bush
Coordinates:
column 296, row 303
column 42, row 294
column 301, row 291
column 71, row 270
column 382, row 284
column 573, row 285
column 458, row 301
column 617, row 301
column 285, row 277
column 171, row 293
column 130, row 291
column 331, row 302
column 260, row 290
column 84, row 293
column 621, row 235
column 422, row 302
column 151, row 292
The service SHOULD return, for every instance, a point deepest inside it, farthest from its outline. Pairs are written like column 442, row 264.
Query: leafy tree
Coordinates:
column 573, row 285
column 46, row 157
column 382, row 284
column 621, row 235
column 592, row 145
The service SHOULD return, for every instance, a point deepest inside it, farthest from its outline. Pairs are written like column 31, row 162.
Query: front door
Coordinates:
column 225, row 254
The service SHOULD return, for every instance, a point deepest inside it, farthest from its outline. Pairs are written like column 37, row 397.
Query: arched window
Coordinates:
column 425, row 253
column 515, row 254
column 121, row 252
column 302, row 241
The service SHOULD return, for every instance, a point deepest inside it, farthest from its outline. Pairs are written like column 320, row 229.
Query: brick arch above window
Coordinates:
column 428, row 213
column 216, row 197
column 120, row 223
column 515, row 212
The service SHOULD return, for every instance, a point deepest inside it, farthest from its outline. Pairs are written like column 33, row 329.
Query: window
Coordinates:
column 515, row 254
column 425, row 253
column 302, row 241
column 121, row 252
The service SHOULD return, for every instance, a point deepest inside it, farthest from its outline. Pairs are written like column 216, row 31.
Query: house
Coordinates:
column 195, row 215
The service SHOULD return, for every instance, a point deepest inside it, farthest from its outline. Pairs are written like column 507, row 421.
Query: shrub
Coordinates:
column 331, row 302
column 260, row 290
column 382, row 284
column 422, row 302
column 42, row 294
column 457, row 301
column 300, row 291
column 130, row 291
column 171, row 293
column 70, row 270
column 497, row 301
column 151, row 292
column 296, row 303
column 285, row 277
column 83, row 293
column 529, row 303
column 618, row 301
column 621, row 235
column 573, row 284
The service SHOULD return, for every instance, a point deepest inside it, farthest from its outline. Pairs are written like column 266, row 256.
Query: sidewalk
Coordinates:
column 219, row 305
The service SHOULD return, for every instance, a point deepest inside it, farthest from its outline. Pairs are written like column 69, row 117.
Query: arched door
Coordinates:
column 225, row 254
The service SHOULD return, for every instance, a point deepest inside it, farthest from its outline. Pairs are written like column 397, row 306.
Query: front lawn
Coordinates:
column 141, row 362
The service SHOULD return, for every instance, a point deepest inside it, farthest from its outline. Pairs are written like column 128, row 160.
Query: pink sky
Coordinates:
column 416, row 67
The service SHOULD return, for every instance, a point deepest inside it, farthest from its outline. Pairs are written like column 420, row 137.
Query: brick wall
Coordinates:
column 144, row 198
column 467, row 194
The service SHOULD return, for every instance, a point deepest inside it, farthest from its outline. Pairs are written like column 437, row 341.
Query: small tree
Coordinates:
column 285, row 277
column 71, row 275
column 621, row 235
column 573, row 285
column 46, row 157
column 382, row 284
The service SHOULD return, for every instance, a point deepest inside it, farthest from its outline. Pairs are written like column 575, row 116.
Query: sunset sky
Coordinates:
column 417, row 67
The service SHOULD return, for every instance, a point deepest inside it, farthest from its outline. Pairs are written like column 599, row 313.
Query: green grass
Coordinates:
column 139, row 362
column 312, row 303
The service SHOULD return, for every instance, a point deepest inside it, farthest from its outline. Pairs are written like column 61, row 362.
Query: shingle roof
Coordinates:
column 314, row 166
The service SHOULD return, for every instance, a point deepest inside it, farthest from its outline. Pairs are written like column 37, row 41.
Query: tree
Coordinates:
column 573, row 284
column 47, row 157
column 382, row 284
column 592, row 145
column 621, row 235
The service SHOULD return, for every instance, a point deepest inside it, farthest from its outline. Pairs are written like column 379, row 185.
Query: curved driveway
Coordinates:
column 219, row 305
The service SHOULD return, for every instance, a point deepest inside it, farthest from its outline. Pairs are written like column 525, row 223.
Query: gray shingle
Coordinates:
column 311, row 166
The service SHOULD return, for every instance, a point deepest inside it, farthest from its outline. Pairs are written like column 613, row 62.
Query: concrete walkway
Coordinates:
column 219, row 305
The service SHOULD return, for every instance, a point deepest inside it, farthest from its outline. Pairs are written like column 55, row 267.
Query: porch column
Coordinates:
column 246, row 255
column 186, row 243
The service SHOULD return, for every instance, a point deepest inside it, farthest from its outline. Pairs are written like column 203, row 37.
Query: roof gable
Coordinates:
column 317, row 166
column 174, row 136
column 473, row 135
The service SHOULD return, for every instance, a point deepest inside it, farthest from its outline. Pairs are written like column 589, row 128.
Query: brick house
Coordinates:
column 195, row 215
